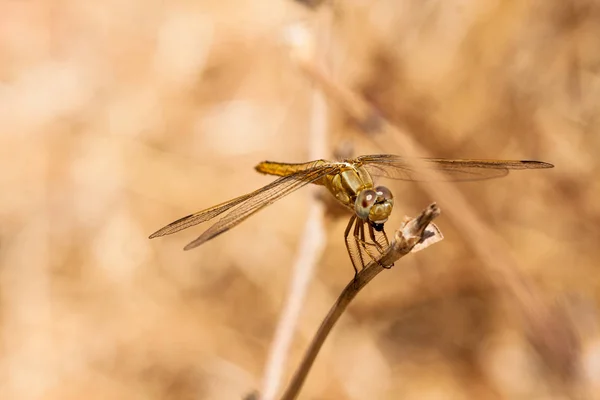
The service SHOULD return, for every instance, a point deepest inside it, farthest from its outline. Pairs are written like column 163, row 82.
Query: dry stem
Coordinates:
column 410, row 234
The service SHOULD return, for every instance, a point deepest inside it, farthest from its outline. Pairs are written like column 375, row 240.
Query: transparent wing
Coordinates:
column 283, row 187
column 396, row 167
column 199, row 217
column 244, row 206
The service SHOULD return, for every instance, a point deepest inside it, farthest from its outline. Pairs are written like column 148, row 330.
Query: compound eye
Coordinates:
column 383, row 193
column 364, row 202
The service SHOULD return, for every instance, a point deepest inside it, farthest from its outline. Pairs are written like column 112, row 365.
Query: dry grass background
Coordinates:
column 117, row 118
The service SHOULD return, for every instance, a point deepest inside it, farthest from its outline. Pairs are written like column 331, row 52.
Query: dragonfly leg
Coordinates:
column 387, row 244
column 378, row 245
column 357, row 242
column 347, row 241
column 364, row 244
column 374, row 239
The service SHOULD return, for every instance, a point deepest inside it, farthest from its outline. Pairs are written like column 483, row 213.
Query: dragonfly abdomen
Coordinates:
column 285, row 169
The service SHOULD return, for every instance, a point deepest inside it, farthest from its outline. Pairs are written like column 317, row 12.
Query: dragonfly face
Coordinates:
column 351, row 183
column 374, row 206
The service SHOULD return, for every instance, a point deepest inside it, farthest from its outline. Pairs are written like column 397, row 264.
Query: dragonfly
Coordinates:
column 351, row 183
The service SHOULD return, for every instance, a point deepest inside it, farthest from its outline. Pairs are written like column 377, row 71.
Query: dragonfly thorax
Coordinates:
column 354, row 188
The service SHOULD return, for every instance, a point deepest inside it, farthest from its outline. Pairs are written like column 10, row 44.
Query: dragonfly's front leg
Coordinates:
column 347, row 241
column 365, row 245
column 357, row 242
column 379, row 246
column 375, row 241
column 387, row 242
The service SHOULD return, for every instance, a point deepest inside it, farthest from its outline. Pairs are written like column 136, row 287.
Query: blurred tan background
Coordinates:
column 119, row 117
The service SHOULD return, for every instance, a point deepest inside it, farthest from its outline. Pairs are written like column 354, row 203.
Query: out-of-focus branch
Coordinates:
column 414, row 232
column 313, row 239
column 559, row 348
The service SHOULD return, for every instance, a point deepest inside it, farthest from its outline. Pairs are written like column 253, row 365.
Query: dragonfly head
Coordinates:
column 374, row 206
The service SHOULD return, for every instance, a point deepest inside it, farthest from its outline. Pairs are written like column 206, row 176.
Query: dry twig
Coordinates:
column 417, row 231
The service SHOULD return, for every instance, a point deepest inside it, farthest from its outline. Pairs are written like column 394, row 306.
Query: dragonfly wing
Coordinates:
column 199, row 217
column 262, row 198
column 267, row 194
column 400, row 168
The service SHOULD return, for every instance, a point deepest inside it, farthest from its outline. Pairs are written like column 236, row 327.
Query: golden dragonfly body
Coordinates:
column 350, row 181
column 344, row 185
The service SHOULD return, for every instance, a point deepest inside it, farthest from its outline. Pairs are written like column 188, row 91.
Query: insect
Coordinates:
column 350, row 181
